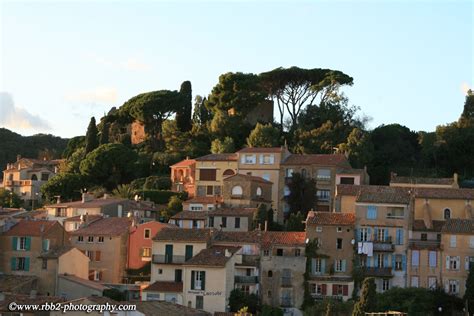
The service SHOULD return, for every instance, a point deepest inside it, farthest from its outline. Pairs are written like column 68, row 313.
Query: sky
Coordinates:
column 62, row 62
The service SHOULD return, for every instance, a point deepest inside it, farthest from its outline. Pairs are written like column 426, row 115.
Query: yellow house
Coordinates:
column 211, row 171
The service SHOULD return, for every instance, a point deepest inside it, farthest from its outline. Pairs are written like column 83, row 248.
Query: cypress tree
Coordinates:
column 184, row 112
column 366, row 301
column 468, row 111
column 92, row 141
column 104, row 134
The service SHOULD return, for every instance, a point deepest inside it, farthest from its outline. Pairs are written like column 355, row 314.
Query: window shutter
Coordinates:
column 45, row 245
column 91, row 275
column 376, row 233
column 203, row 282
column 376, row 262
column 261, row 159
column 404, row 263
column 15, row 243
column 345, row 290
column 192, row 279
column 393, row 261
column 13, row 263
column 323, row 266
column 385, row 235
column 323, row 289
column 458, row 261
column 272, row 159
column 357, row 236
column 401, row 237
column 97, row 255
column 313, row 266
column 368, row 261
column 27, row 243
column 344, row 265
column 100, row 275
column 242, row 159
column 466, row 263
column 447, row 263
column 385, row 261
column 369, row 233
column 334, row 289
column 27, row 264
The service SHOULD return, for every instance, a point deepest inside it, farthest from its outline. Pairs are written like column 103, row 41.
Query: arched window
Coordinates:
column 237, row 190
column 447, row 213
column 34, row 177
column 259, row 191
column 270, row 273
column 228, row 172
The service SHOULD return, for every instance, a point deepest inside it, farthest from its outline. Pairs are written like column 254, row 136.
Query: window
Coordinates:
column 381, row 234
column 237, row 222
column 414, row 281
column 371, row 212
column 209, row 190
column 424, row 236
column 270, row 274
column 153, row 296
column 304, row 173
column 385, row 285
column 317, row 265
column 101, row 239
column 447, row 213
column 339, row 229
column 198, row 280
column 267, row 159
column 21, row 243
column 201, row 190
column 195, row 223
column 339, row 243
column 269, row 294
column 347, row 180
column 207, row 174
column 44, row 264
column 471, row 242
column 249, row 159
column 211, row 221
column 237, row 190
column 323, row 174
column 396, row 212
column 380, row 260
column 21, row 264
column 453, row 286
column 432, row 259
column 45, row 244
column 245, row 289
column 316, row 289
column 319, row 229
column 286, row 191
column 224, row 222
column 266, row 253
column 97, row 276
column 399, row 239
column 398, row 262
column 80, row 238
column 44, row 176
column 415, row 258
column 340, row 265
column 146, row 252
column 364, row 234
column 289, row 172
column 90, row 254
column 279, row 252
column 432, row 283
column 452, row 241
column 199, row 302
column 147, row 233
column 323, row 195
column 90, row 239
column 160, row 271
column 297, row 252
column 452, row 262
column 228, row 172
column 34, row 177
column 178, row 275
column 168, row 253
column 259, row 191
column 196, row 208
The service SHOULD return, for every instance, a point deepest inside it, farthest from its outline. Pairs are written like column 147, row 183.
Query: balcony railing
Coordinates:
column 286, row 281
column 424, row 243
column 378, row 272
column 246, row 279
column 323, row 297
column 168, row 259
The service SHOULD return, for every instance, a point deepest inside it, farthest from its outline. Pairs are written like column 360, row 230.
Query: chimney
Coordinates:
column 58, row 199
column 32, row 294
column 455, row 180
column 266, row 225
column 18, row 157
column 106, row 196
column 187, row 157
column 86, row 197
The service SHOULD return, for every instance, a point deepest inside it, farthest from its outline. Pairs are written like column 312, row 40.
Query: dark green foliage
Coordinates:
column 337, row 308
column 468, row 111
column 367, row 300
column 302, row 197
column 9, row 199
column 73, row 145
column 161, row 196
column 469, row 294
column 261, row 216
column 222, row 146
column 157, row 183
column 271, row 311
column 264, row 136
column 92, row 141
column 66, row 185
column 104, row 134
column 175, row 205
column 183, row 114
column 201, row 114
column 295, row 222
column 110, row 165
column 115, row 294
column 239, row 299
column 162, row 161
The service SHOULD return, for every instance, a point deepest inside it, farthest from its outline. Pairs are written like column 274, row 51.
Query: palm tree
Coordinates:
column 124, row 191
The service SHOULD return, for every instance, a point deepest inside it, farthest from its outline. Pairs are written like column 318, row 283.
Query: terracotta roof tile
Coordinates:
column 284, row 238
column 185, row 163
column 214, row 256
column 262, row 150
column 31, row 228
column 459, row 226
column 167, row 308
column 420, row 180
column 56, row 252
column 218, row 157
column 84, row 282
column 184, row 234
column 419, row 225
column 327, row 218
column 109, row 226
column 190, row 215
column 317, row 159
column 165, row 286
column 247, row 177
column 383, row 194
column 253, row 237
column 16, row 283
column 205, row 200
column 444, row 193
column 94, row 203
column 231, row 211
column 347, row 189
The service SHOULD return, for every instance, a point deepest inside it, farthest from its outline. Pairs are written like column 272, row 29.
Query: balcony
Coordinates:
column 250, row 260
column 246, row 279
column 384, row 244
column 286, row 302
column 286, row 282
column 168, row 259
column 320, row 297
column 378, row 272
column 424, row 244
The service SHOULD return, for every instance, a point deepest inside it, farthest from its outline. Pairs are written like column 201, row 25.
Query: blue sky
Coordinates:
column 63, row 62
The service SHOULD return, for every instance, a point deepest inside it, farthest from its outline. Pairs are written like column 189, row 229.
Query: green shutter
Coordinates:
column 27, row 263
column 189, row 252
column 15, row 243
column 203, row 282
column 13, row 263
column 45, row 244
column 344, row 265
column 323, row 266
column 28, row 243
column 192, row 280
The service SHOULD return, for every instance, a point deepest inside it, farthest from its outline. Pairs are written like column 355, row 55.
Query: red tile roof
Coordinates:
column 317, row 159
column 262, row 150
column 218, row 157
column 214, row 256
column 239, row 176
column 109, row 226
column 165, row 286
column 459, row 226
column 444, row 193
column 284, row 238
column 31, row 228
column 190, row 215
column 419, row 225
column 205, row 200
column 419, row 180
column 327, row 218
column 27, row 299
column 184, row 234
column 84, row 282
column 383, row 194
column 94, row 203
column 231, row 211
column 253, row 237
column 347, row 189
column 184, row 163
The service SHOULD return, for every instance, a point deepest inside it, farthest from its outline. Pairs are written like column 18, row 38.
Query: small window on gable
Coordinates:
column 259, row 191
column 447, row 213
column 237, row 190
column 147, row 233
column 319, row 229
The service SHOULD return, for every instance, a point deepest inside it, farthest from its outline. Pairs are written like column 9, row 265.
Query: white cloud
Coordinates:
column 130, row 64
column 99, row 95
column 465, row 87
column 17, row 118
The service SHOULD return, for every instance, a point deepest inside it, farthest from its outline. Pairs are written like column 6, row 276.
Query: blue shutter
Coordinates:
column 401, row 236
column 376, row 261
column 393, row 261
column 397, row 238
column 13, row 263
column 313, row 266
column 404, row 262
column 15, row 243
column 323, row 266
column 385, row 260
column 368, row 262
column 369, row 234
column 28, row 243
column 45, row 244
column 27, row 264
column 344, row 265
column 385, row 236
column 376, row 233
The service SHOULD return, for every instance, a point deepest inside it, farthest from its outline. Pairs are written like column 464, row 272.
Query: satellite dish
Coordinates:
column 353, row 241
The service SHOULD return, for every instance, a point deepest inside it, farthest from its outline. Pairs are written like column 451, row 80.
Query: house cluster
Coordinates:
column 416, row 232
